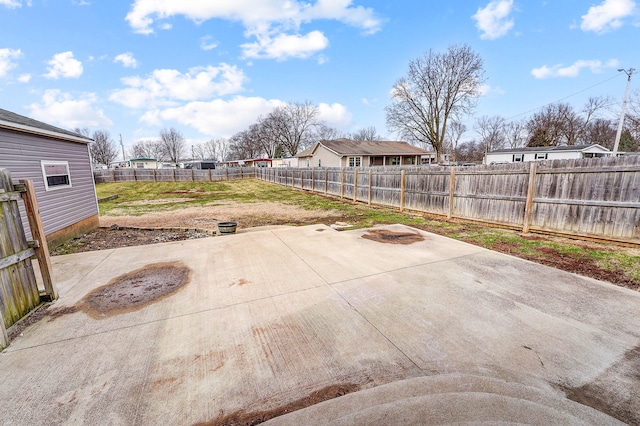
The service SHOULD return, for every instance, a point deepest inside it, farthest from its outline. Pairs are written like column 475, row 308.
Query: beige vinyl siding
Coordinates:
column 327, row 158
column 22, row 154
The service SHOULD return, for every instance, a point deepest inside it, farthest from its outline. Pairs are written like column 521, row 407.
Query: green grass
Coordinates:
column 190, row 194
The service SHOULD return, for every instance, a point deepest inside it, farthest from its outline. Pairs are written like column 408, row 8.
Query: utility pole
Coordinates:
column 629, row 73
column 121, row 144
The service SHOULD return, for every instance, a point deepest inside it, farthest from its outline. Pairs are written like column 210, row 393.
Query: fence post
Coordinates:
column 37, row 232
column 452, row 188
column 402, row 190
column 528, row 208
column 370, row 185
column 4, row 337
column 342, row 182
column 313, row 179
column 355, row 186
column 326, row 180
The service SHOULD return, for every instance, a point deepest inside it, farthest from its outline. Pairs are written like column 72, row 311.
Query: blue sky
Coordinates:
column 210, row 68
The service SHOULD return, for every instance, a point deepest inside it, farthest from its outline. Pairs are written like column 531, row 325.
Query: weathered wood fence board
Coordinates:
column 597, row 197
column 174, row 175
column 18, row 287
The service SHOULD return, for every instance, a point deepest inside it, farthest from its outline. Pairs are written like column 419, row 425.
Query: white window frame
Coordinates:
column 355, row 161
column 44, row 163
column 541, row 155
column 518, row 158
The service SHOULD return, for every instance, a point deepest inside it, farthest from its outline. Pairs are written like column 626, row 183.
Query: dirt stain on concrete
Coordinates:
column 616, row 391
column 392, row 237
column 135, row 290
column 240, row 282
column 257, row 417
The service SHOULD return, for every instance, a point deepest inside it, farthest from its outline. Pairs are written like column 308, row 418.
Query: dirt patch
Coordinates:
column 135, row 290
column 579, row 266
column 615, row 391
column 242, row 418
column 247, row 215
column 116, row 237
column 392, row 237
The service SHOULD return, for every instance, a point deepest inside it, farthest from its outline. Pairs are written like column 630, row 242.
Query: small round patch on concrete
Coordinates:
column 391, row 237
column 135, row 290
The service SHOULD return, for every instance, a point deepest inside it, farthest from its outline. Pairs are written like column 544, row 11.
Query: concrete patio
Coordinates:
column 428, row 332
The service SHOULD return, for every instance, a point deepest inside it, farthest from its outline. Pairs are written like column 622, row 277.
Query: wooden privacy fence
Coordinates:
column 19, row 292
column 590, row 197
column 173, row 175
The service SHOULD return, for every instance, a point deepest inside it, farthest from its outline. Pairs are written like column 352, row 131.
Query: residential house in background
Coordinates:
column 564, row 152
column 349, row 153
column 59, row 164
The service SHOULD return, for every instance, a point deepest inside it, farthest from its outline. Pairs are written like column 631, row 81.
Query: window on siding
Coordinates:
column 518, row 158
column 541, row 155
column 140, row 165
column 355, row 161
column 395, row 161
column 56, row 174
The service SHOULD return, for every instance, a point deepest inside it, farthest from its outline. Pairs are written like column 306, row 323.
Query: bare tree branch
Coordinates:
column 439, row 87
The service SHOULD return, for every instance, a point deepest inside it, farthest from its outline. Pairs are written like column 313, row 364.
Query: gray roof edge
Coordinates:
column 12, row 121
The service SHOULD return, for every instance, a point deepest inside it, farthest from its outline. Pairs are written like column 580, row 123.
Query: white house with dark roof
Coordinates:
column 349, row 153
column 564, row 152
column 59, row 164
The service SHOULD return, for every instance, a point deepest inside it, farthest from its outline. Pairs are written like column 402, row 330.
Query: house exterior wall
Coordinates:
column 73, row 208
column 507, row 157
column 144, row 164
column 323, row 157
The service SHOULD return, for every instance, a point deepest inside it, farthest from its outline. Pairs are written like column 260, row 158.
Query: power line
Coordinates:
column 562, row 99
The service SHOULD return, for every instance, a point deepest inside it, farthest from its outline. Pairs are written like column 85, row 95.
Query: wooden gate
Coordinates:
column 19, row 292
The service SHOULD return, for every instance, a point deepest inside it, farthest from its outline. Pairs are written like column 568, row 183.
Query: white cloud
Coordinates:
column 494, row 20
column 283, row 46
column 207, row 43
column 165, row 87
column 484, row 89
column 11, row 4
column 607, row 16
column 62, row 109
column 7, row 57
column 336, row 115
column 143, row 13
column 272, row 22
column 573, row 70
column 24, row 78
column 64, row 65
column 127, row 60
column 217, row 117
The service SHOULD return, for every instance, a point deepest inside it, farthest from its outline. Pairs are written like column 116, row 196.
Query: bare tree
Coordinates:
column 148, row 149
column 173, row 144
column 546, row 127
column 323, row 132
column 103, row 148
column 560, row 124
column 515, row 133
column 454, row 132
column 294, row 124
column 632, row 117
column 268, row 133
column 210, row 150
column 491, row 132
column 246, row 144
column 600, row 131
column 470, row 151
column 366, row 134
column 438, row 87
